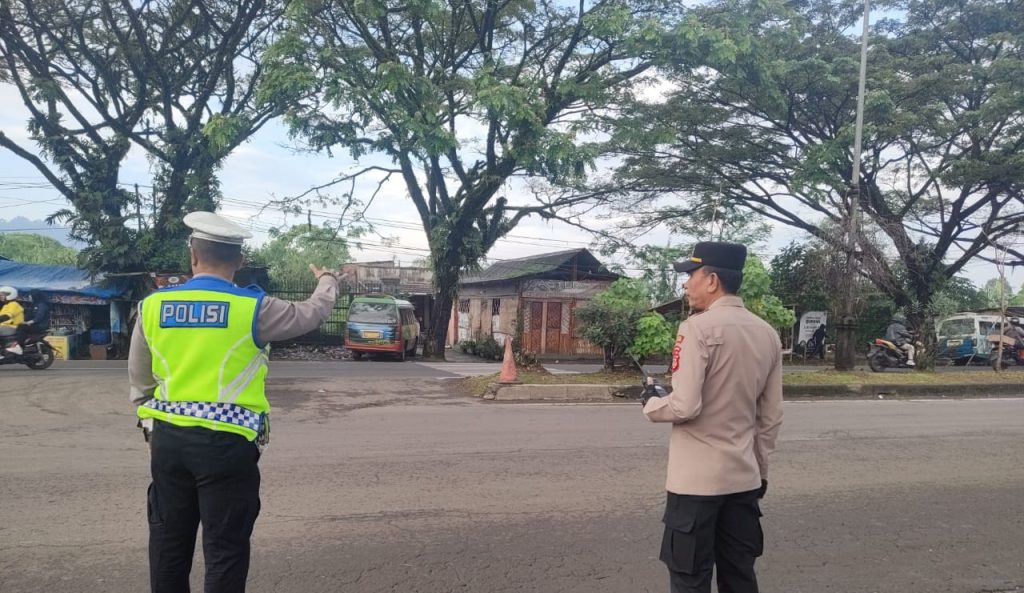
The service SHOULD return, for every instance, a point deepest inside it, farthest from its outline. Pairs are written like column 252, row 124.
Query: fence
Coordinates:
column 332, row 331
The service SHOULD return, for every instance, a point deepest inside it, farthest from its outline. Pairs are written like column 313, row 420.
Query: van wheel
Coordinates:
column 356, row 355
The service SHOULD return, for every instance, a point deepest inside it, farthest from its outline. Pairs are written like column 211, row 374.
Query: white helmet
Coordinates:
column 10, row 292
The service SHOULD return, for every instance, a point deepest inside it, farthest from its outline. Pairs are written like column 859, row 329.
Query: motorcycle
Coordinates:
column 1012, row 353
column 37, row 354
column 883, row 354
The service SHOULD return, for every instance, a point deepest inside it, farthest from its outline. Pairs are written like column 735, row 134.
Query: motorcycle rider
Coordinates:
column 40, row 321
column 1016, row 332
column 898, row 334
column 11, row 316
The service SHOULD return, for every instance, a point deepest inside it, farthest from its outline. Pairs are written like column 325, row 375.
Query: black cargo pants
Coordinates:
column 707, row 532
column 201, row 476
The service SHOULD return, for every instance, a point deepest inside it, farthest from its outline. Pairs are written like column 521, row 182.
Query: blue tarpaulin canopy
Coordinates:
column 59, row 279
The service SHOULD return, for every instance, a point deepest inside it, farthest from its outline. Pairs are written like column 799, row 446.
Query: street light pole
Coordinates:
column 847, row 328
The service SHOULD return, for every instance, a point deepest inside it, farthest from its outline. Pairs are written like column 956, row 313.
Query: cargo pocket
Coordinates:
column 153, row 513
column 679, row 550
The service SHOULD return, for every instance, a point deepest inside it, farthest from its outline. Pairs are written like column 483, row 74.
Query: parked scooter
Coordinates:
column 37, row 354
column 883, row 354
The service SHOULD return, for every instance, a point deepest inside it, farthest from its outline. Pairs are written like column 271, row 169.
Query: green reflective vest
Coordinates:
column 209, row 367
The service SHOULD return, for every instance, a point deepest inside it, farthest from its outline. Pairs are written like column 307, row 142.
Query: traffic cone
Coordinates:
column 509, row 374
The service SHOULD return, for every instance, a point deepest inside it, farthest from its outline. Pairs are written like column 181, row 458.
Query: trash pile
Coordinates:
column 309, row 353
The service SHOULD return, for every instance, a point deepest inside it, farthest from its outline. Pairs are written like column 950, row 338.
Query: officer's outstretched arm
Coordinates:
column 282, row 320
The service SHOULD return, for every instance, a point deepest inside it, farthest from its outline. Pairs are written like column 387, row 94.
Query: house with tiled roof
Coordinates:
column 534, row 298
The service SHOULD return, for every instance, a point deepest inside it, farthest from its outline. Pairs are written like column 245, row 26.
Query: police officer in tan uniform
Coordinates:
column 725, row 408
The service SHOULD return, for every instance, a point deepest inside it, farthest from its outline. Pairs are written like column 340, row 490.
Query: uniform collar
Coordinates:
column 727, row 301
column 206, row 281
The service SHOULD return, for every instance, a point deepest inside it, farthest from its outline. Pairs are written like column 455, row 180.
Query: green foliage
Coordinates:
column 654, row 336
column 657, row 272
column 770, row 127
column 611, row 319
column 463, row 96
column 799, row 276
column 177, row 80
column 36, row 249
column 489, row 349
column 289, row 253
column 758, row 297
column 990, row 293
column 959, row 294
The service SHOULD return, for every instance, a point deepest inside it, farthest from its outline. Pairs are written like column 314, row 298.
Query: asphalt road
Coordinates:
column 401, row 486
column 114, row 370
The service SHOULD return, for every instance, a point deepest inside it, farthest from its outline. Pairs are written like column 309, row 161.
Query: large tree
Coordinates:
column 30, row 248
column 457, row 98
column 943, row 169
column 289, row 253
column 177, row 78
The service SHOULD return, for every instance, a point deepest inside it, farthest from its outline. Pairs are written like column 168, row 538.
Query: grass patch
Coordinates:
column 966, row 378
column 480, row 385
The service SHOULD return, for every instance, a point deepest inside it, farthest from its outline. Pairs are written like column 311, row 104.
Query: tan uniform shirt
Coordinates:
column 726, row 401
column 277, row 319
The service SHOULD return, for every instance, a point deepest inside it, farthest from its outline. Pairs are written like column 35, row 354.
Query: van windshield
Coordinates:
column 373, row 313
column 957, row 328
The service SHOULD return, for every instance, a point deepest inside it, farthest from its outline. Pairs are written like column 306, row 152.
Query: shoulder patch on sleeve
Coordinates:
column 676, row 351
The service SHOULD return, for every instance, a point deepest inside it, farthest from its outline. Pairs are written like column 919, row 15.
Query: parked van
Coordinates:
column 962, row 337
column 381, row 324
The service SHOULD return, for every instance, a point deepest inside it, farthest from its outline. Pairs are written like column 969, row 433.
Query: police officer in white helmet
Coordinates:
column 197, row 370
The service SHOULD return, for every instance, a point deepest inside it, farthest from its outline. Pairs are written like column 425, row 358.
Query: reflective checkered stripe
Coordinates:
column 218, row 414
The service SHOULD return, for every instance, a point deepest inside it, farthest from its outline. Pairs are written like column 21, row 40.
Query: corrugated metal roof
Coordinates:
column 554, row 265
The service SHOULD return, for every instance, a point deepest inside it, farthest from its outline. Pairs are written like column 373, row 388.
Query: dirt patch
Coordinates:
column 483, row 385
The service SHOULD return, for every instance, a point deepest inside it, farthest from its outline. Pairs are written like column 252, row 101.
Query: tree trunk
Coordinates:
column 446, row 290
column 440, row 316
column 922, row 322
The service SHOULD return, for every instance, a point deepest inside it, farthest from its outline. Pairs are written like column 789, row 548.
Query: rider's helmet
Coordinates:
column 9, row 292
column 899, row 318
column 1015, row 321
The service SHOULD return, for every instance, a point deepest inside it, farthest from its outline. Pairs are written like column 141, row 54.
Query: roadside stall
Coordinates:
column 87, row 313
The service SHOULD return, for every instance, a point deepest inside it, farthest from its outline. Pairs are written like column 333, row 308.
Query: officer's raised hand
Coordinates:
column 321, row 272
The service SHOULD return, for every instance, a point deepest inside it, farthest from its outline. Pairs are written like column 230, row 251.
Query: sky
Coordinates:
column 268, row 167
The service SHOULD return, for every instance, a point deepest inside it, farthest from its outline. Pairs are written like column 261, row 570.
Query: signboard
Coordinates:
column 809, row 322
column 169, row 280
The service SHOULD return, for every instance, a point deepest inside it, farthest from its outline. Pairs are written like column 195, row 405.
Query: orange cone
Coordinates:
column 509, row 374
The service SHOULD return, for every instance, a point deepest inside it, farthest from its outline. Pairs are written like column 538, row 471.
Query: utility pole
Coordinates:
column 847, row 328
column 138, row 208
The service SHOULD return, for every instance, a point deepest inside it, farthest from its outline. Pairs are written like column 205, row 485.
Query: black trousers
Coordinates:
column 703, row 533
column 201, row 476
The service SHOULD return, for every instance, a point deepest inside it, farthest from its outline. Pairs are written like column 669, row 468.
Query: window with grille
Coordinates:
column 464, row 306
column 495, row 306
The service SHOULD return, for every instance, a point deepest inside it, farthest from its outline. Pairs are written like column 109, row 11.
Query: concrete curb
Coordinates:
column 605, row 393
column 564, row 392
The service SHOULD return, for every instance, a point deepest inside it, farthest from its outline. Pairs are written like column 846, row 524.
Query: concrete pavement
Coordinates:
column 390, row 485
